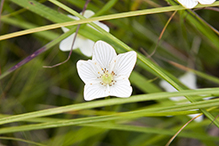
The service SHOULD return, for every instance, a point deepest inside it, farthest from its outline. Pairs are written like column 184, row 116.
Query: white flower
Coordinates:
column 192, row 3
column 188, row 79
column 107, row 73
column 84, row 44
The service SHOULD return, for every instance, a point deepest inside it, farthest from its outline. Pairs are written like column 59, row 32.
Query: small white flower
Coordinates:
column 84, row 44
column 188, row 79
column 107, row 73
column 192, row 3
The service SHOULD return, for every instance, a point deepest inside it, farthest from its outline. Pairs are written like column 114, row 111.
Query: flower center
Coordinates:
column 107, row 78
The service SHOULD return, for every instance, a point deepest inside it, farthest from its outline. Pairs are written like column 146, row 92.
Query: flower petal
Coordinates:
column 103, row 53
column 205, row 2
column 94, row 91
column 169, row 88
column 199, row 119
column 85, row 46
column 88, row 13
column 124, row 63
column 189, row 79
column 88, row 71
column 73, row 17
column 188, row 3
column 102, row 25
column 64, row 29
column 121, row 88
column 66, row 43
column 179, row 98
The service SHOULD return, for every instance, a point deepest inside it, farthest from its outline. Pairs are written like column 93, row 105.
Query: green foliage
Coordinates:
column 45, row 106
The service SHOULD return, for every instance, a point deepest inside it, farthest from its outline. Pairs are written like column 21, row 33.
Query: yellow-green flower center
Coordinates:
column 107, row 78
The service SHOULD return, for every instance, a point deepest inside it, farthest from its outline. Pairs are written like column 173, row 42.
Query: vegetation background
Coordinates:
column 45, row 106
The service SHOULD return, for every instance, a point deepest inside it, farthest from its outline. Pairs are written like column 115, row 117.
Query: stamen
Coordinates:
column 107, row 78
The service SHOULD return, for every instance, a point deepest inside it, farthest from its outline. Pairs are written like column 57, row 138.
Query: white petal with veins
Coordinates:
column 94, row 91
column 103, row 53
column 124, row 63
column 121, row 88
column 88, row 71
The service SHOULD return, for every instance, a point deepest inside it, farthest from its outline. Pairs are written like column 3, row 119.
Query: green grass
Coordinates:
column 45, row 106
